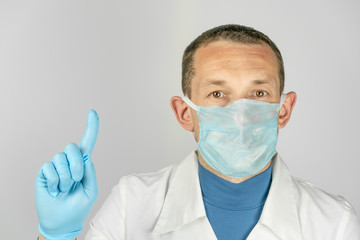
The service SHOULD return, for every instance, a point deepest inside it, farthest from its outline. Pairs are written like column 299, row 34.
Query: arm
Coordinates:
column 109, row 222
column 349, row 228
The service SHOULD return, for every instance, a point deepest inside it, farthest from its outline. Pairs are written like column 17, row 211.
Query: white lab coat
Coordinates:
column 168, row 205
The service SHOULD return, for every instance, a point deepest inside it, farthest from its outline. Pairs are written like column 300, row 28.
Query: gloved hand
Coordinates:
column 66, row 188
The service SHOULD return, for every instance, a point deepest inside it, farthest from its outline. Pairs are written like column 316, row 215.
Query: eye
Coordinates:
column 217, row 94
column 260, row 93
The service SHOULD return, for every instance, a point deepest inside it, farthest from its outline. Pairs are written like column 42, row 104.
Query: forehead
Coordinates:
column 227, row 54
column 237, row 67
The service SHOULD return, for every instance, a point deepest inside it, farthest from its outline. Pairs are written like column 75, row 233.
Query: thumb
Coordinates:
column 92, row 127
column 89, row 179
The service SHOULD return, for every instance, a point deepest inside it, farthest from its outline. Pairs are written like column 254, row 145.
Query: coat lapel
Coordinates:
column 279, row 217
column 183, row 215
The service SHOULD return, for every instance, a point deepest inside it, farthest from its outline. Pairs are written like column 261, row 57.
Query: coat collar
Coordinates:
column 184, row 204
column 280, row 213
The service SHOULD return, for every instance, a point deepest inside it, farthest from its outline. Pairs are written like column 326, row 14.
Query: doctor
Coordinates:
column 234, row 186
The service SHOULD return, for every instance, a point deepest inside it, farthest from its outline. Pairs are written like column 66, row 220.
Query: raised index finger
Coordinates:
column 92, row 127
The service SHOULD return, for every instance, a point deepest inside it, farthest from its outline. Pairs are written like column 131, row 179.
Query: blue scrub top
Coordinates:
column 233, row 209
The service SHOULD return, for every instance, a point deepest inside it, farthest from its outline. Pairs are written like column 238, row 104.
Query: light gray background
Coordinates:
column 58, row 59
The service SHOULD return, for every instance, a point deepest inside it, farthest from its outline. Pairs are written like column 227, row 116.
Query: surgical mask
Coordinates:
column 240, row 139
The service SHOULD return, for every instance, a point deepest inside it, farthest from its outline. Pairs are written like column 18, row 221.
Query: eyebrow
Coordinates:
column 261, row 81
column 215, row 82
column 222, row 82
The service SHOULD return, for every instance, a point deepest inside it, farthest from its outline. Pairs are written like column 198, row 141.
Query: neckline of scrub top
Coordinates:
column 246, row 195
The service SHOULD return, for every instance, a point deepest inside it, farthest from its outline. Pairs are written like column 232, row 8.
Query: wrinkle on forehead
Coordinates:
column 223, row 55
column 228, row 54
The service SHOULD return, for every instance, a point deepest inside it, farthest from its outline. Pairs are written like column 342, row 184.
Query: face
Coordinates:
column 227, row 71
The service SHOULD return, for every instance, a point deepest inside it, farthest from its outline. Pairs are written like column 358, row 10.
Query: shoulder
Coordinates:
column 322, row 210
column 145, row 185
column 311, row 193
column 135, row 197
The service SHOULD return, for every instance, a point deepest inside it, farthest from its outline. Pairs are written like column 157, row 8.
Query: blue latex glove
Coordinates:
column 66, row 188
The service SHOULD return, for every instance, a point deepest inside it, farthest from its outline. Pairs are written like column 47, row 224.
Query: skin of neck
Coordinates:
column 230, row 179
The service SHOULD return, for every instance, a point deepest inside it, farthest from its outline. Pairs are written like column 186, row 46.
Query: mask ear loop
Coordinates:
column 190, row 103
column 282, row 98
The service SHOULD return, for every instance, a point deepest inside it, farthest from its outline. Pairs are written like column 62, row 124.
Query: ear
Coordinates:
column 182, row 113
column 286, row 109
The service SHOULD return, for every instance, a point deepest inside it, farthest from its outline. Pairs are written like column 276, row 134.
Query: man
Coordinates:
column 234, row 186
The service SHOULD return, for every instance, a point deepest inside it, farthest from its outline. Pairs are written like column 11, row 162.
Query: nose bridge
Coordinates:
column 239, row 86
column 242, row 85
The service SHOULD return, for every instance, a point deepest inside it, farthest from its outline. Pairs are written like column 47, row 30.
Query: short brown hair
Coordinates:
column 230, row 32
